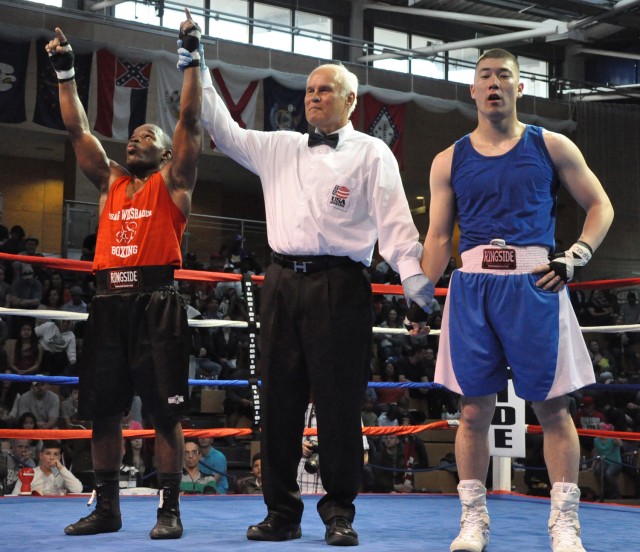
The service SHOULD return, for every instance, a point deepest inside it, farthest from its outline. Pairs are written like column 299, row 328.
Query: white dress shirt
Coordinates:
column 323, row 201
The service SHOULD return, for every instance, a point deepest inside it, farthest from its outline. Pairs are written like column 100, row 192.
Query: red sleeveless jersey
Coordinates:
column 141, row 231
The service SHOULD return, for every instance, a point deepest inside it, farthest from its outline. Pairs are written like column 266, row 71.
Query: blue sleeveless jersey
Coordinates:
column 510, row 196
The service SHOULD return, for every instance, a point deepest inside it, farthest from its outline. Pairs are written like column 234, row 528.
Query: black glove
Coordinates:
column 62, row 62
column 191, row 38
column 565, row 263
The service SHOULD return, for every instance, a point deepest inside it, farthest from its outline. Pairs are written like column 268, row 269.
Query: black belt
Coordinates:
column 310, row 265
column 132, row 279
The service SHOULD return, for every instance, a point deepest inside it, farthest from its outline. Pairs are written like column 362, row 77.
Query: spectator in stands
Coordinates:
column 599, row 311
column 42, row 403
column 76, row 303
column 253, row 485
column 389, row 395
column 391, row 345
column 630, row 311
column 601, row 359
column 413, row 368
column 28, row 421
column 213, row 462
column 194, row 481
column 369, row 417
column 391, row 457
column 58, row 343
column 51, row 476
column 588, row 417
column 25, row 291
column 31, row 249
column 19, row 456
column 89, row 246
column 609, row 465
column 4, row 286
column 139, row 461
column 15, row 243
column 226, row 347
column 69, row 408
column 51, row 300
column 24, row 356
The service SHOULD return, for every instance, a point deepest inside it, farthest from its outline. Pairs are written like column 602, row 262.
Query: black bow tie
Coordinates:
column 315, row 139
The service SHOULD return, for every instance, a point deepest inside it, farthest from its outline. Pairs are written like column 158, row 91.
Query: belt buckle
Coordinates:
column 299, row 266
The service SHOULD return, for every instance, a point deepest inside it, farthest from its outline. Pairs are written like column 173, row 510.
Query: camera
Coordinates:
column 312, row 464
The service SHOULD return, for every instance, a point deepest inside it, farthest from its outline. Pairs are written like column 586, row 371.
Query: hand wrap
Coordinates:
column 190, row 59
column 62, row 62
column 564, row 264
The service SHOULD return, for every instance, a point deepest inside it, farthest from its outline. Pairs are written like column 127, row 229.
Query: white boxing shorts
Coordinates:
column 495, row 317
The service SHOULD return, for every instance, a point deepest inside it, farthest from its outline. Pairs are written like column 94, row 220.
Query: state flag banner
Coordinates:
column 123, row 86
column 283, row 107
column 47, row 110
column 240, row 94
column 385, row 121
column 14, row 58
column 168, row 89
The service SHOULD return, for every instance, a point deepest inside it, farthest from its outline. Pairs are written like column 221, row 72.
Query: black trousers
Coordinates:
column 315, row 337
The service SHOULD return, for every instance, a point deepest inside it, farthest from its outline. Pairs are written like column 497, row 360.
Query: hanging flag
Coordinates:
column 169, row 88
column 240, row 94
column 283, row 107
column 385, row 121
column 14, row 57
column 47, row 111
column 123, row 86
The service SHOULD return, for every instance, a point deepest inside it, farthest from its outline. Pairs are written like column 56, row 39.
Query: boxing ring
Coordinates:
column 408, row 522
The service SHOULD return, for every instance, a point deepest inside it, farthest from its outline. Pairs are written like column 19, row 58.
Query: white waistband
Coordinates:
column 526, row 258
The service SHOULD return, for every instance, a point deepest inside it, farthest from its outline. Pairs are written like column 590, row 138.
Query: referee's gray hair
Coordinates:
column 347, row 80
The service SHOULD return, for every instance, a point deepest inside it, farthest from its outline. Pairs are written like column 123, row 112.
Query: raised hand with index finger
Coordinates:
column 61, row 56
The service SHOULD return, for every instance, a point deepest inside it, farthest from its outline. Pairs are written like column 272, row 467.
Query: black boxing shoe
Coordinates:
column 274, row 528
column 105, row 518
column 340, row 532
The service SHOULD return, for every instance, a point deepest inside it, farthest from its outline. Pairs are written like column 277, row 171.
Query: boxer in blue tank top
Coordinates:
column 507, row 306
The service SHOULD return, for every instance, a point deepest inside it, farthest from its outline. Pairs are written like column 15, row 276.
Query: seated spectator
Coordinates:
column 51, row 301
column 4, row 286
column 69, row 409
column 25, row 291
column 226, row 347
column 23, row 357
column 20, row 456
column 213, row 462
column 51, row 477
column 253, row 484
column 193, row 480
column 609, row 465
column 76, row 303
column 42, row 403
column 58, row 343
column 369, row 417
column 28, row 421
column 391, row 457
column 601, row 358
column 389, row 395
column 31, row 249
column 630, row 311
column 598, row 310
column 137, row 464
column 391, row 345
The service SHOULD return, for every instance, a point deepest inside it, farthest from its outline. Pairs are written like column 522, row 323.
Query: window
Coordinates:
column 225, row 26
column 138, row 13
column 387, row 41
column 56, row 3
column 308, row 45
column 462, row 64
column 534, row 73
column 173, row 17
column 434, row 66
column 277, row 37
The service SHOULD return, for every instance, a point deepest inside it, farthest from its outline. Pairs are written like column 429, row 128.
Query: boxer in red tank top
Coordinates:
column 136, row 335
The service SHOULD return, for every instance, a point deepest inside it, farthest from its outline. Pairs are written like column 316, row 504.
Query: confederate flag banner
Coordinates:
column 123, row 86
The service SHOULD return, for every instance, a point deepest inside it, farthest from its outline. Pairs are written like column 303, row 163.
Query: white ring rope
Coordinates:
column 210, row 323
